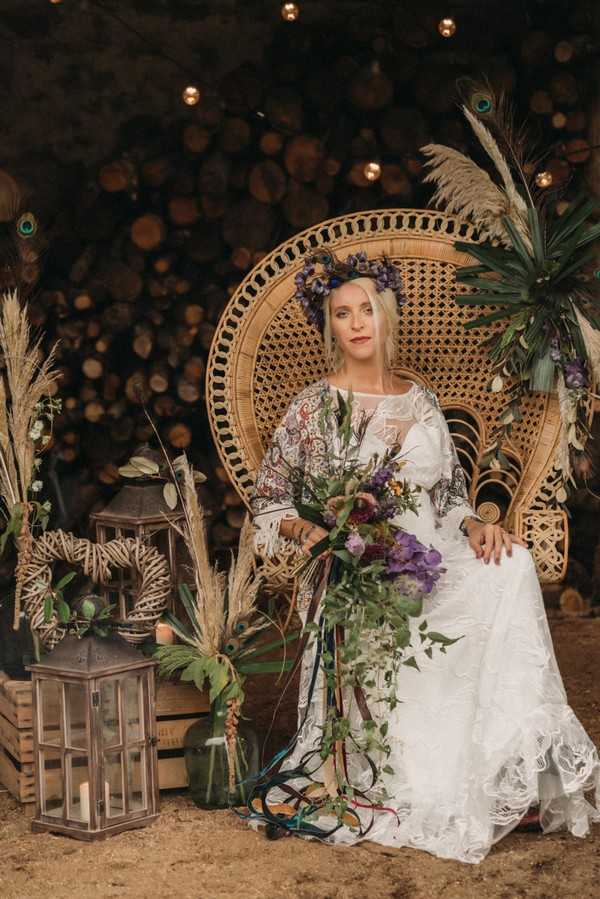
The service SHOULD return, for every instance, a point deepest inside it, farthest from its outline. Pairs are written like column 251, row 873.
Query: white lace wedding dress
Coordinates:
column 485, row 731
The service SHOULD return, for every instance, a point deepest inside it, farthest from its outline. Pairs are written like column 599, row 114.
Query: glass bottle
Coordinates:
column 206, row 750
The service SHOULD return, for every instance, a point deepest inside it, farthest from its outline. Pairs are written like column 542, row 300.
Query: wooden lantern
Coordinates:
column 139, row 510
column 94, row 737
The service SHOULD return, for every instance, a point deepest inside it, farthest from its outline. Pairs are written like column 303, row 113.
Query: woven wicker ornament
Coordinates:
column 96, row 561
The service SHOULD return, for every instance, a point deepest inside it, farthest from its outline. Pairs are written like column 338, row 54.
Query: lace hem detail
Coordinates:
column 554, row 765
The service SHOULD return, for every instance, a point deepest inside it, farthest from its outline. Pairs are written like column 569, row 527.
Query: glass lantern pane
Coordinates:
column 78, row 808
column 131, row 708
column 52, row 786
column 75, row 706
column 136, row 779
column 109, row 713
column 113, row 775
column 49, row 702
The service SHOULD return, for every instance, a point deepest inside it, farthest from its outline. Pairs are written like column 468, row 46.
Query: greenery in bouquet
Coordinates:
column 536, row 272
column 380, row 576
column 27, row 410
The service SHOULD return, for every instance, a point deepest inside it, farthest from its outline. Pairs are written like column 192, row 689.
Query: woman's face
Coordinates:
column 353, row 322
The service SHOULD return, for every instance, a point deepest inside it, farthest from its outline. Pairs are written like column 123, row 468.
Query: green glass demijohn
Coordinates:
column 206, row 750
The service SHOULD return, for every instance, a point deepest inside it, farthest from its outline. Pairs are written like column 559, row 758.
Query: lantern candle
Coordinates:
column 84, row 800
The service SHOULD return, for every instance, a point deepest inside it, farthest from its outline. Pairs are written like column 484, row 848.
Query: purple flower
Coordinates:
column 355, row 544
column 575, row 375
column 410, row 558
column 555, row 353
column 432, row 557
column 379, row 477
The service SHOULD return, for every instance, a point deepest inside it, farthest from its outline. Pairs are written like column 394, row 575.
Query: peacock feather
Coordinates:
column 21, row 239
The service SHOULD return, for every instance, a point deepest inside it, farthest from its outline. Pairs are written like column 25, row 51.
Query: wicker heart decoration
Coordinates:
column 96, row 561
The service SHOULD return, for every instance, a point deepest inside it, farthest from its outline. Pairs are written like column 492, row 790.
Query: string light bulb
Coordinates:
column 447, row 26
column 55, row 2
column 290, row 12
column 372, row 171
column 190, row 95
column 543, row 179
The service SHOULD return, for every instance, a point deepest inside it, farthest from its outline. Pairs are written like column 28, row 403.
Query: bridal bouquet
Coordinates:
column 378, row 579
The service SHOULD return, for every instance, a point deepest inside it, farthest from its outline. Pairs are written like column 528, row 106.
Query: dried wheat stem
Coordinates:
column 24, row 545
column 231, row 728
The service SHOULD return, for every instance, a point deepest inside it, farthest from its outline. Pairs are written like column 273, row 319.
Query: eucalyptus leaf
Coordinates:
column 170, row 495
column 128, row 471
column 411, row 663
column 68, row 577
column 146, row 466
column 88, row 609
column 48, row 607
column 64, row 611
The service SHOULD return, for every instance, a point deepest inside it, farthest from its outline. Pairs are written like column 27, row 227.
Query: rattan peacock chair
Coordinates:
column 264, row 353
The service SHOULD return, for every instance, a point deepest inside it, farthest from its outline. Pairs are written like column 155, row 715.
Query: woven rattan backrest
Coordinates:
column 264, row 353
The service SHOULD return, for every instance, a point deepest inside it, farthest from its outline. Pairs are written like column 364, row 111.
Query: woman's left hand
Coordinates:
column 488, row 539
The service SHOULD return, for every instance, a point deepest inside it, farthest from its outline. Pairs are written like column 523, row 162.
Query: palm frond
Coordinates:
column 172, row 659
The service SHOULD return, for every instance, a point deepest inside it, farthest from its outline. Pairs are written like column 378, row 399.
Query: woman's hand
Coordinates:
column 303, row 532
column 486, row 539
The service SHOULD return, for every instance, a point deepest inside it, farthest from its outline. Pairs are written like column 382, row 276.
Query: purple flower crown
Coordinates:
column 311, row 288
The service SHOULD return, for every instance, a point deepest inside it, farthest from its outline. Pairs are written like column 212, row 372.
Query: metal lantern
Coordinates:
column 94, row 735
column 139, row 510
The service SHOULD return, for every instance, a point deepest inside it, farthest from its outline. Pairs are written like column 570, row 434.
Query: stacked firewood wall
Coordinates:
column 164, row 230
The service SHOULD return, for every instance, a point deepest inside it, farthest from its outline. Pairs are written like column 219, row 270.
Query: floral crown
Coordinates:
column 311, row 288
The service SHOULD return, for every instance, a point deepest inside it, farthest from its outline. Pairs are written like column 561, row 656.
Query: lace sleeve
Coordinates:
column 449, row 494
column 272, row 499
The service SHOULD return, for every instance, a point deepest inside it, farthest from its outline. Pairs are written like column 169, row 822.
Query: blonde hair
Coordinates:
column 385, row 310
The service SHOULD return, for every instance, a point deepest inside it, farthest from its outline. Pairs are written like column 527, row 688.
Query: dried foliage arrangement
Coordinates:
column 221, row 640
column 27, row 410
column 536, row 271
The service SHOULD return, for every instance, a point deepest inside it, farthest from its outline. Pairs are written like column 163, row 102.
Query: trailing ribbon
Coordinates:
column 291, row 816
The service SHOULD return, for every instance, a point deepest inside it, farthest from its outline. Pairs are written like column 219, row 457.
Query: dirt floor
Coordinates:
column 194, row 854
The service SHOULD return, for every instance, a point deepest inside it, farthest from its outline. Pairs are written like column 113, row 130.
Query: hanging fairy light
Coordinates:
column 447, row 26
column 55, row 2
column 290, row 12
column 543, row 179
column 372, row 171
column 190, row 95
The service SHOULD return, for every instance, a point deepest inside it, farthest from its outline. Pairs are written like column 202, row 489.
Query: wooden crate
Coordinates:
column 177, row 707
column 16, row 738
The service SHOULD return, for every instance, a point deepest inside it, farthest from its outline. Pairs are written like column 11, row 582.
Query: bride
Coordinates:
column 483, row 738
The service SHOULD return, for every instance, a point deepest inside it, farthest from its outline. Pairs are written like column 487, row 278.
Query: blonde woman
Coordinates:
column 483, row 737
